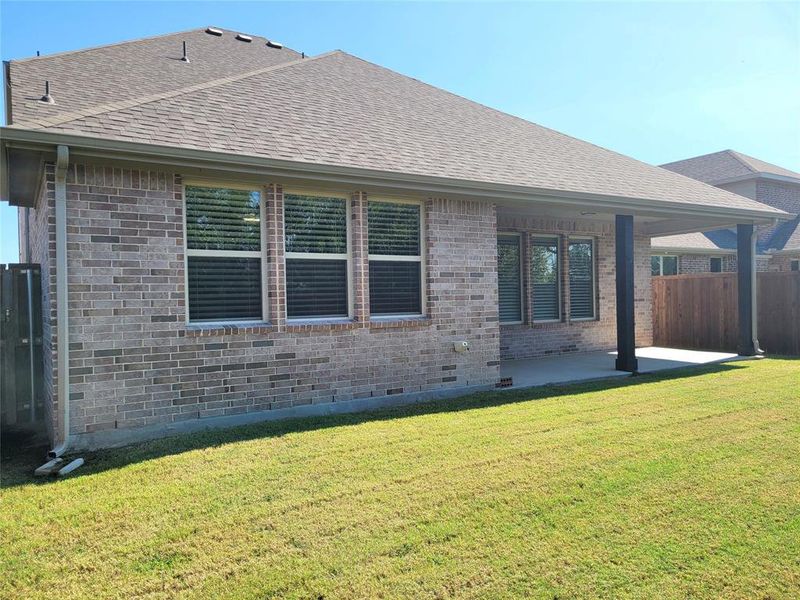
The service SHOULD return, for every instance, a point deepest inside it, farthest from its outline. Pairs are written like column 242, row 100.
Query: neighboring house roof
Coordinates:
column 338, row 110
column 727, row 165
column 786, row 237
column 97, row 76
column 723, row 240
column 720, row 167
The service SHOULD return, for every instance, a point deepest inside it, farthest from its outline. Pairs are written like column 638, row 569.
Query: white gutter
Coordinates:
column 62, row 306
column 687, row 250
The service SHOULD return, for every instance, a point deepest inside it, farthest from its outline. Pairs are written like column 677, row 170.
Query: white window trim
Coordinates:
column 346, row 256
column 559, row 277
column 593, row 242
column 517, row 235
column 402, row 258
column 262, row 254
column 661, row 258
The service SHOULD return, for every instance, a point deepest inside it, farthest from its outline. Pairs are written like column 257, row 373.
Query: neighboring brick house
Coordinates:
column 252, row 234
column 778, row 245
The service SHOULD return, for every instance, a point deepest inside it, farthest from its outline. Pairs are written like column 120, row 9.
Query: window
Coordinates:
column 663, row 265
column 545, row 279
column 795, row 265
column 395, row 258
column 715, row 262
column 509, row 278
column 223, row 254
column 581, row 279
column 315, row 228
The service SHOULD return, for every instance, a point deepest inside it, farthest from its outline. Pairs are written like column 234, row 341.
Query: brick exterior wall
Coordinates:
column 785, row 196
column 537, row 339
column 134, row 361
column 701, row 263
column 783, row 262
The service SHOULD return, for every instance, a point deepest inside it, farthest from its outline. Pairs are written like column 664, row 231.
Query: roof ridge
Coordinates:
column 111, row 45
column 741, row 160
column 63, row 118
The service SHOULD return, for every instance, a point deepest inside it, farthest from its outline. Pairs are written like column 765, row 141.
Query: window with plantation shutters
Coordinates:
column 581, row 279
column 509, row 280
column 545, row 279
column 315, row 229
column 223, row 254
column 395, row 258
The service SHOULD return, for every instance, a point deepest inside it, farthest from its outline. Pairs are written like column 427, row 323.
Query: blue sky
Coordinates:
column 656, row 81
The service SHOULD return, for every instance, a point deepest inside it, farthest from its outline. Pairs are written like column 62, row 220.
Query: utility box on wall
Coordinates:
column 20, row 345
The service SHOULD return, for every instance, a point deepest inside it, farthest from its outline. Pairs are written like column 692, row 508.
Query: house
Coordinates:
column 231, row 231
column 778, row 246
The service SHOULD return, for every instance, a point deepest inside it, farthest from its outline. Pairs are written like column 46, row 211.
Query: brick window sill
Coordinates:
column 334, row 324
column 210, row 329
column 399, row 322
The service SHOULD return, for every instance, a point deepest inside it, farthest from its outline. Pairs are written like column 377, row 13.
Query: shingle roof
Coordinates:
column 720, row 239
column 786, row 237
column 339, row 110
column 727, row 164
column 133, row 69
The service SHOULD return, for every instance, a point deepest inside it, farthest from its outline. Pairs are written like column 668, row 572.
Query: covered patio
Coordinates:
column 587, row 366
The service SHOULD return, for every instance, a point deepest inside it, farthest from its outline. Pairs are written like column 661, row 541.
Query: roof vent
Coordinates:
column 272, row 44
column 47, row 98
column 214, row 31
column 244, row 38
column 185, row 57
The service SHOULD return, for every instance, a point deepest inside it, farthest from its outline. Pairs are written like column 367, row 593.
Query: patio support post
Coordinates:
column 746, row 271
column 626, row 324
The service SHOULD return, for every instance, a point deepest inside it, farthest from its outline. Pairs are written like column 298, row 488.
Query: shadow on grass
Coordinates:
column 18, row 469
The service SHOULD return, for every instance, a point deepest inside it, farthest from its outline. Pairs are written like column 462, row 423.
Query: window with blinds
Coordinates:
column 581, row 279
column 223, row 253
column 315, row 229
column 395, row 258
column 509, row 278
column 545, row 279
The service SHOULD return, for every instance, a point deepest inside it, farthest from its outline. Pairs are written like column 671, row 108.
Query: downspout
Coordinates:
column 62, row 316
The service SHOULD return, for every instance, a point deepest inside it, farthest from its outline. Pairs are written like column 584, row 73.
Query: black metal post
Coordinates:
column 746, row 267
column 626, row 323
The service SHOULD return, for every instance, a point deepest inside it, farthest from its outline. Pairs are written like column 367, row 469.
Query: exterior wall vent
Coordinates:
column 214, row 31
column 272, row 44
column 243, row 38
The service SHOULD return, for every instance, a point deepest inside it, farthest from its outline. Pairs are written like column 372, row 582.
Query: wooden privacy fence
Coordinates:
column 701, row 312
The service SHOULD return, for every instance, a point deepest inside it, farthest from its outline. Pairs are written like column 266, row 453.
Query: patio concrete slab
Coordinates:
column 568, row 368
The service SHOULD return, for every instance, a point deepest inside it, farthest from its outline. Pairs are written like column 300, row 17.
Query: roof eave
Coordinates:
column 758, row 175
column 689, row 250
column 112, row 149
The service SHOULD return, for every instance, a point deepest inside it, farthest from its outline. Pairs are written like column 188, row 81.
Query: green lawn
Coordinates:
column 678, row 486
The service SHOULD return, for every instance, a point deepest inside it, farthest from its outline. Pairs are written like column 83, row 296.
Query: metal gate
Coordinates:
column 20, row 345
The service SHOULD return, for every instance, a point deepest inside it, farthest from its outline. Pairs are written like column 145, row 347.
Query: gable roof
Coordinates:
column 338, row 110
column 717, row 240
column 786, row 237
column 96, row 76
column 722, row 166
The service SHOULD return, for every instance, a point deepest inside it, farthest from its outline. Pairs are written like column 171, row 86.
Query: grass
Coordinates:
column 686, row 485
